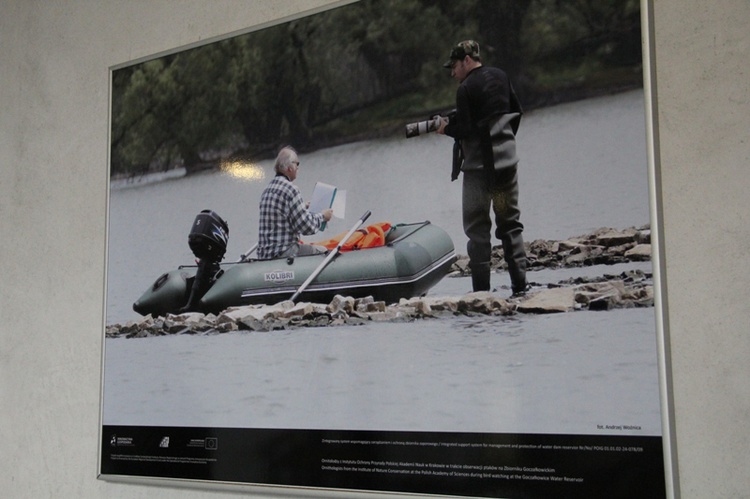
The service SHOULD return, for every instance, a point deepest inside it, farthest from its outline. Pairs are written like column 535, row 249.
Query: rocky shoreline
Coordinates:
column 603, row 246
column 632, row 288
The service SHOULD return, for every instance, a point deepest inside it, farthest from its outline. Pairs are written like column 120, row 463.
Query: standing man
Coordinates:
column 487, row 117
column 284, row 215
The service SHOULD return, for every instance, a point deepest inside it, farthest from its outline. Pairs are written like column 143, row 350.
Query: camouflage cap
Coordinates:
column 460, row 51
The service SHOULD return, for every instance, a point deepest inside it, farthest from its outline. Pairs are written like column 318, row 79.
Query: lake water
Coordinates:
column 583, row 166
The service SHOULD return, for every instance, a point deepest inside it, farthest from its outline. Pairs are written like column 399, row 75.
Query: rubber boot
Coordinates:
column 480, row 276
column 515, row 256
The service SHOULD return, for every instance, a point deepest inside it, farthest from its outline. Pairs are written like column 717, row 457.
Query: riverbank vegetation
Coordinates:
column 359, row 71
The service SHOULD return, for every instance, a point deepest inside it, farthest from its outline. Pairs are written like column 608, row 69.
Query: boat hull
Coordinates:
column 414, row 258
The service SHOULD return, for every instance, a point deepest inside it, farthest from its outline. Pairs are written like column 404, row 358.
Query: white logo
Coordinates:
column 219, row 233
column 116, row 441
column 164, row 442
column 278, row 276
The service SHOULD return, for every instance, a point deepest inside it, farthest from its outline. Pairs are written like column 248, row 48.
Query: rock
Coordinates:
column 461, row 265
column 568, row 246
column 602, row 246
column 177, row 329
column 621, row 249
column 354, row 321
column 341, row 304
column 392, row 315
column 363, row 301
column 483, row 302
column 548, row 301
column 299, row 310
column 370, row 306
column 612, row 238
column 226, row 327
column 319, row 321
column 224, row 319
column 250, row 323
column 577, row 260
column 640, row 252
column 112, row 331
column 249, row 311
column 423, row 309
column 643, row 297
column 186, row 318
column 587, row 293
column 600, row 296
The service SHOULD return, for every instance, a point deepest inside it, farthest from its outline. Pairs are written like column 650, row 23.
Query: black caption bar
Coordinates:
column 463, row 464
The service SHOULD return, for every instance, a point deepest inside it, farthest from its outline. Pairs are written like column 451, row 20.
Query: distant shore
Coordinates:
column 378, row 131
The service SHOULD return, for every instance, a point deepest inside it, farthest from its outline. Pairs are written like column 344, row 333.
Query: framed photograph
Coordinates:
column 377, row 366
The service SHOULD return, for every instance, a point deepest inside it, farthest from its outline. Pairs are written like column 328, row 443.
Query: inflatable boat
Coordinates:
column 409, row 259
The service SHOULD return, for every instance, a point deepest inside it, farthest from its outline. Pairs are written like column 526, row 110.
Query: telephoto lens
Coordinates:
column 421, row 127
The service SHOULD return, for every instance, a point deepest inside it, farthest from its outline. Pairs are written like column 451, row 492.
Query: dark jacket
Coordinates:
column 488, row 114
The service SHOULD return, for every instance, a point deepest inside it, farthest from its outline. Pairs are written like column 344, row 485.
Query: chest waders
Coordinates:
column 498, row 189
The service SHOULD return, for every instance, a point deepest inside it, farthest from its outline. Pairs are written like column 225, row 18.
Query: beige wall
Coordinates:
column 54, row 60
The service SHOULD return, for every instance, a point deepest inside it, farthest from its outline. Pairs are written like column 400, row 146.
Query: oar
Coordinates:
column 247, row 253
column 330, row 256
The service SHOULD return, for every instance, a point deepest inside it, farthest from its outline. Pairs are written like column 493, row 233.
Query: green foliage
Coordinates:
column 567, row 42
column 354, row 70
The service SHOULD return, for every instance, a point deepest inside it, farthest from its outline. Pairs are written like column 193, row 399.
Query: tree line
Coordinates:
column 357, row 71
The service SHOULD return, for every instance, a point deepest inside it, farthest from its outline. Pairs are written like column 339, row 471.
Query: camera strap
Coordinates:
column 458, row 159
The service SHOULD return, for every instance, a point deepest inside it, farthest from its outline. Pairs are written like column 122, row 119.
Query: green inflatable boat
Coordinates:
column 413, row 258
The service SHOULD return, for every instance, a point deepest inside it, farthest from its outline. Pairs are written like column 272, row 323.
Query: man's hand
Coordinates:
column 443, row 123
column 327, row 214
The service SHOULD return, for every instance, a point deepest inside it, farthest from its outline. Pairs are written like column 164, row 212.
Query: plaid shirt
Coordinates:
column 283, row 217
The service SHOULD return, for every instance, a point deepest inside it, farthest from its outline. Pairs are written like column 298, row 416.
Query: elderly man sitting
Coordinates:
column 284, row 215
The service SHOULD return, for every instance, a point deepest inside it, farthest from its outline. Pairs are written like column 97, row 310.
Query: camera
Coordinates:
column 427, row 126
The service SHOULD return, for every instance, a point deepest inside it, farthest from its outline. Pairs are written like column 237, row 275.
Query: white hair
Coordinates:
column 284, row 159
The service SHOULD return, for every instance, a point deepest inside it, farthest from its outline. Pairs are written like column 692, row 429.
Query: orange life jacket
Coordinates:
column 371, row 236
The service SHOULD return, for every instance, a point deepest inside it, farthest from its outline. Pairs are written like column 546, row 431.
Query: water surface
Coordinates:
column 583, row 166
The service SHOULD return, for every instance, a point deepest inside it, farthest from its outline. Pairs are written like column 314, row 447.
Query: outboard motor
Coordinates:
column 208, row 240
